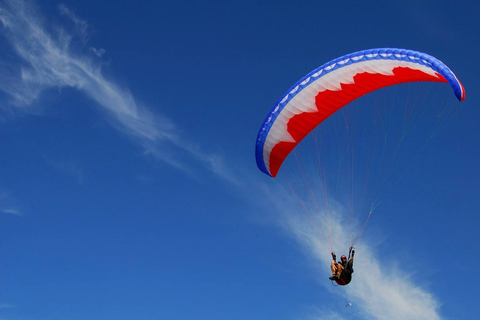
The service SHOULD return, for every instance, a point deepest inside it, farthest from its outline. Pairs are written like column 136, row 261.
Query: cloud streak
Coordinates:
column 68, row 167
column 46, row 59
column 6, row 306
column 10, row 211
column 6, row 204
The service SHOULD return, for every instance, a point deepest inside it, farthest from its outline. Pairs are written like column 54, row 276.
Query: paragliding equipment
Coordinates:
column 328, row 88
column 343, row 270
column 333, row 94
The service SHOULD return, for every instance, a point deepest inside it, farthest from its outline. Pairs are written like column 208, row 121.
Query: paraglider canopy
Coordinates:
column 333, row 85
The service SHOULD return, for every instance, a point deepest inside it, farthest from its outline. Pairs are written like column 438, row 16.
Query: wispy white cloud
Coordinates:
column 320, row 313
column 7, row 204
column 68, row 167
column 81, row 26
column 326, row 315
column 10, row 211
column 47, row 60
column 98, row 52
column 379, row 289
column 6, row 306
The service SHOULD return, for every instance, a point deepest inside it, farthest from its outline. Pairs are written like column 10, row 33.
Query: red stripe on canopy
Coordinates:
column 328, row 102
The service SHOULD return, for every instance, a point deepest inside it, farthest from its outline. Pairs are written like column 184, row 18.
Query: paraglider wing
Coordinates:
column 333, row 85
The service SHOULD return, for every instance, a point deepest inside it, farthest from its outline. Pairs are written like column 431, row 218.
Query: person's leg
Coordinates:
column 333, row 267
column 339, row 269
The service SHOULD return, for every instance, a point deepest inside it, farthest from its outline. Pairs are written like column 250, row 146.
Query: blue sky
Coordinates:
column 128, row 183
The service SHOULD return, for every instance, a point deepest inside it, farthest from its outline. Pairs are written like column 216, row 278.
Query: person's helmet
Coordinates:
column 343, row 257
